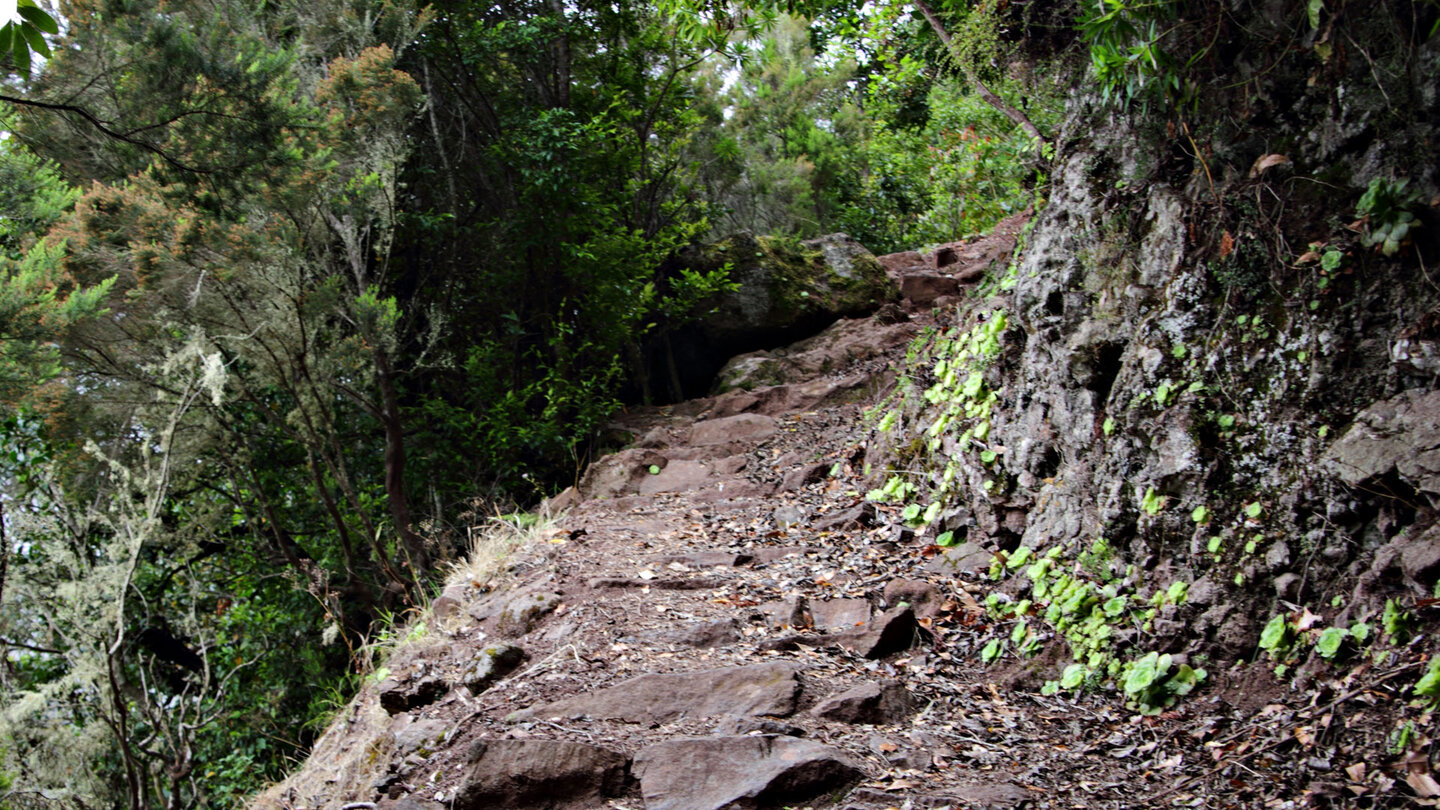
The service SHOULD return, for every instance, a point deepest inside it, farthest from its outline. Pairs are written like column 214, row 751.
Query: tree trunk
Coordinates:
column 393, row 422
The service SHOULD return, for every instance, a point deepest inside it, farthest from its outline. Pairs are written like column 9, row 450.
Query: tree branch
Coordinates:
column 1021, row 119
column 104, row 128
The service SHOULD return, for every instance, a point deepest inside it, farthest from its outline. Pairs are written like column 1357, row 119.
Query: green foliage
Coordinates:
column 1151, row 684
column 20, row 37
column 1386, row 207
column 1329, row 643
column 1127, row 51
column 1075, row 596
column 1152, row 502
column 863, row 139
column 1395, row 622
column 1277, row 636
column 1427, row 689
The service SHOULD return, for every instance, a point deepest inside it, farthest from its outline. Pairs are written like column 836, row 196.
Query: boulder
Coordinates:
column 523, row 612
column 964, row 558
column 783, row 289
column 740, row 772
column 921, row 289
column 677, row 476
column 922, row 597
column 893, row 631
column 539, row 774
column 405, row 693
column 493, row 662
column 838, row 347
column 805, row 475
column 760, row 690
column 619, row 473
column 1400, row 435
column 884, row 703
column 421, row 737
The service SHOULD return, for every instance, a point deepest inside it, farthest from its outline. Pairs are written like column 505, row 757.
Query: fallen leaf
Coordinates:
column 1356, row 772
column 1265, row 162
column 1423, row 784
column 1306, row 621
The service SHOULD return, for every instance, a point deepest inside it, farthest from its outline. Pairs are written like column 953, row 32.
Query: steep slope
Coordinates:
column 722, row 618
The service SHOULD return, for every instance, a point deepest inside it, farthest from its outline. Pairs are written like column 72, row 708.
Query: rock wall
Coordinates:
column 1206, row 371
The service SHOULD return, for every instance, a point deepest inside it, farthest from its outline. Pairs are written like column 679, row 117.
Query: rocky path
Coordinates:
column 721, row 620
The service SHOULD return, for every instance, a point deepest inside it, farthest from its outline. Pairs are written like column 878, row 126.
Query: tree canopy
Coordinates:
column 290, row 290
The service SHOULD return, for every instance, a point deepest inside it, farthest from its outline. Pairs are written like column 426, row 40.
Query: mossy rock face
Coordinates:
column 788, row 288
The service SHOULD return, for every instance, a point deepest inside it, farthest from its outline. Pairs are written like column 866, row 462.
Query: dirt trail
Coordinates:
column 721, row 619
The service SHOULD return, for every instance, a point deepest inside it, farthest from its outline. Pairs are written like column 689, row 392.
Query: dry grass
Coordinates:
column 494, row 544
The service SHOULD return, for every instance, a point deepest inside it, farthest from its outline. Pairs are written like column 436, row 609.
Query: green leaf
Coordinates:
column 991, row 651
column 1312, row 10
column 946, row 540
column 1328, row 645
column 38, row 18
column 1429, row 684
column 1200, row 515
column 6, row 37
column 1143, row 674
column 654, row 469
column 1177, row 591
column 1253, row 510
column 1276, row 635
column 36, row 40
column 1153, row 502
column 1019, row 557
column 22, row 55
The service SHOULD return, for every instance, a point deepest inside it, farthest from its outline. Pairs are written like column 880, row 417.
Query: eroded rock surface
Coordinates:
column 539, row 774
column 740, row 772
column 761, row 690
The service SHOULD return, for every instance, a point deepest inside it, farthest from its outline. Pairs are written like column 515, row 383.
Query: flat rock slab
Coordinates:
column 758, row 690
column 711, row 773
column 706, row 559
column 677, row 476
column 539, row 774
column 963, row 558
column 704, row 634
column 740, row 427
column 840, row 614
